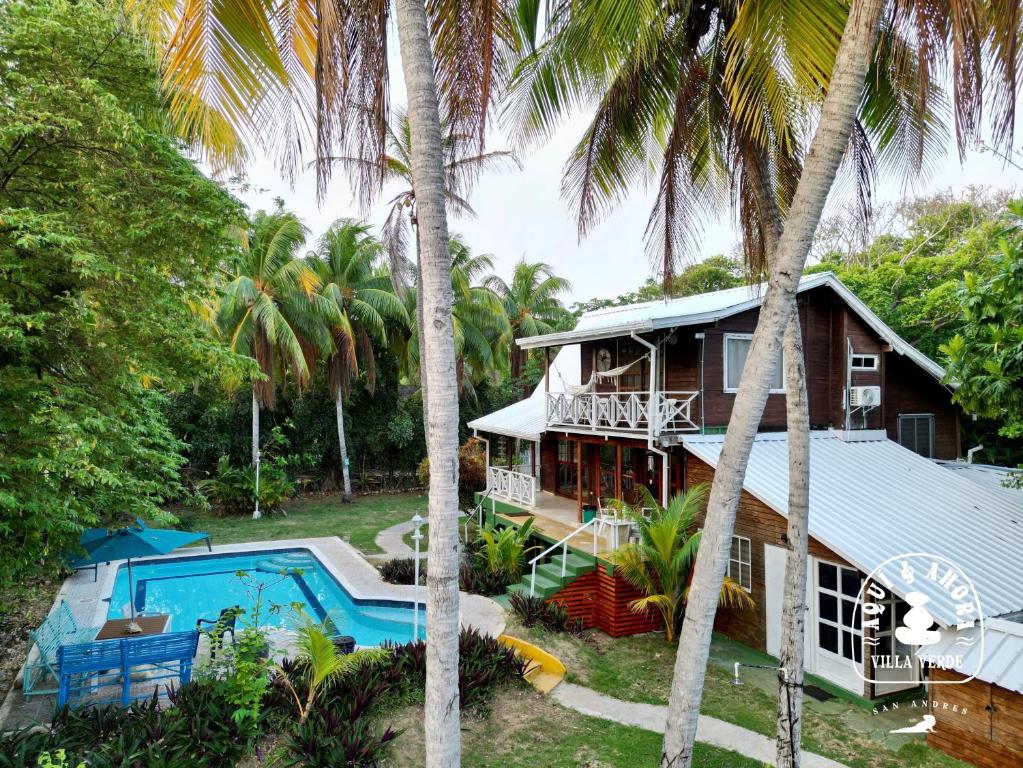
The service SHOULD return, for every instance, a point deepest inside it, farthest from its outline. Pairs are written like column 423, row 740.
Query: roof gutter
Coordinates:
column 575, row 337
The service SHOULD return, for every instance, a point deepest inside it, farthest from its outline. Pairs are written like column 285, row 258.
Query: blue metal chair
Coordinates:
column 108, row 662
column 59, row 628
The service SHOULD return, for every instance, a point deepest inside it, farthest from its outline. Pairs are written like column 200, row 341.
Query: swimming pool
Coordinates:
column 189, row 588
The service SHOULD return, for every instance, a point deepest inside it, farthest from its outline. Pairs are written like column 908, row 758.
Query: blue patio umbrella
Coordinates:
column 102, row 545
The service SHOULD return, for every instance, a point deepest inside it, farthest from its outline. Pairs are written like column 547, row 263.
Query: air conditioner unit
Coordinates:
column 865, row 397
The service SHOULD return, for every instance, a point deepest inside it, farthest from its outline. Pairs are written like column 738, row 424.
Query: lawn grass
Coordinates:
column 526, row 730
column 314, row 516
column 639, row 668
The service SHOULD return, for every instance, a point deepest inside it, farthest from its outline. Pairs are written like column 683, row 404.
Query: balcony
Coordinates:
column 622, row 412
column 508, row 485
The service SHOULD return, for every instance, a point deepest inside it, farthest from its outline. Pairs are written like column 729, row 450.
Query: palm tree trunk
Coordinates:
column 790, row 672
column 443, row 737
column 838, row 114
column 339, row 408
column 419, row 333
column 790, row 675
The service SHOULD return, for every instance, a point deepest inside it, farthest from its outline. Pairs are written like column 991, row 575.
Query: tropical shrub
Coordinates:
column 197, row 732
column 402, row 570
column 504, row 550
column 483, row 664
column 233, row 489
column 330, row 738
column 537, row 612
column 660, row 564
column 321, row 664
column 472, row 468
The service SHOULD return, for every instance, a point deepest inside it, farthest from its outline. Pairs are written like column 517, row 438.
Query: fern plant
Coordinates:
column 660, row 563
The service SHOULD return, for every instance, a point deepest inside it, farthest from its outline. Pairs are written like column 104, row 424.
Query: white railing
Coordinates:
column 511, row 486
column 622, row 411
column 564, row 552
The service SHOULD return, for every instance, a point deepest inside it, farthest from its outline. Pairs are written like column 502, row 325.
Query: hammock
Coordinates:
column 595, row 376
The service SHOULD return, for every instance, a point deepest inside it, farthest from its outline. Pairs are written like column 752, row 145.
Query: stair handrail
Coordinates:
column 475, row 512
column 564, row 552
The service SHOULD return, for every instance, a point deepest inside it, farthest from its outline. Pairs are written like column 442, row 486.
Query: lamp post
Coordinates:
column 256, row 514
column 417, row 536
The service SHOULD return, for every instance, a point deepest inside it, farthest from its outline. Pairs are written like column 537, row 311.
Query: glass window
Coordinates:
column 740, row 563
column 736, row 350
column 864, row 362
column 827, row 576
column 916, row 432
column 837, row 617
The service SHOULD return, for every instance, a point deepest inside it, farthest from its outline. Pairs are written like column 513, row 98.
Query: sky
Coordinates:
column 521, row 213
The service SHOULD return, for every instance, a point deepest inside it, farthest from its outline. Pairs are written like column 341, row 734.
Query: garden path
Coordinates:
column 652, row 717
column 392, row 541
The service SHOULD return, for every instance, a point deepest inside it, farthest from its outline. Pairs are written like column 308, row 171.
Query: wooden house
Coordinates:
column 641, row 395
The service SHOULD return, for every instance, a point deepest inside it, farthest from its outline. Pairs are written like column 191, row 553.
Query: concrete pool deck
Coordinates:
column 87, row 596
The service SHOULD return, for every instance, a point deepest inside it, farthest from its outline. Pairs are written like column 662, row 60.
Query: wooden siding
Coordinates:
column 826, row 322
column 761, row 525
column 601, row 600
column 907, row 392
column 990, row 732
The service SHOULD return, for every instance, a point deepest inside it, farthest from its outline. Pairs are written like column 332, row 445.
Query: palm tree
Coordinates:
column 345, row 261
column 661, row 562
column 530, row 303
column 480, row 325
column 731, row 82
column 321, row 664
column 462, row 167
column 250, row 73
column 266, row 308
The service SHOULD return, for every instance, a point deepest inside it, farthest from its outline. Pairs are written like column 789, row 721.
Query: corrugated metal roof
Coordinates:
column 527, row 419
column 871, row 500
column 1002, row 661
column 987, row 475
column 708, row 307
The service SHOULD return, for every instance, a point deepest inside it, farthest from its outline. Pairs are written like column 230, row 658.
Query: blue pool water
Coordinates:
column 199, row 587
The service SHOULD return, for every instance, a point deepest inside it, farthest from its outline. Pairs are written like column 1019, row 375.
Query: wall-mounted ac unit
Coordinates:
column 865, row 397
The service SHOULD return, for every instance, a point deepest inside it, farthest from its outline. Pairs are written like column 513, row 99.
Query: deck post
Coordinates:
column 579, row 480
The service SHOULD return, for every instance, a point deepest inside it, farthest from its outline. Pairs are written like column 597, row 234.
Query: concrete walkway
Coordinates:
column 652, row 717
column 391, row 540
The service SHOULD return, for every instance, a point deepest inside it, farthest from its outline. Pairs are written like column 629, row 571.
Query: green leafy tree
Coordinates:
column 107, row 237
column 361, row 303
column 986, row 356
column 531, row 305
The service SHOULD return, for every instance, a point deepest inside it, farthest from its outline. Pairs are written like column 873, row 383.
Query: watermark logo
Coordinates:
column 919, row 610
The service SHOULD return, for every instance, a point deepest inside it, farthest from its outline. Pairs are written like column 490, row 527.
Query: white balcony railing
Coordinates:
column 622, row 411
column 515, row 487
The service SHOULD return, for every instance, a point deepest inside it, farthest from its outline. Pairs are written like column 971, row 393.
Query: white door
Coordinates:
column 774, row 580
column 836, row 629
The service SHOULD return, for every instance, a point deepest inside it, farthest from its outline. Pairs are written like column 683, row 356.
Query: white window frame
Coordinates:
column 739, row 563
column 724, row 355
column 864, row 356
column 839, row 625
